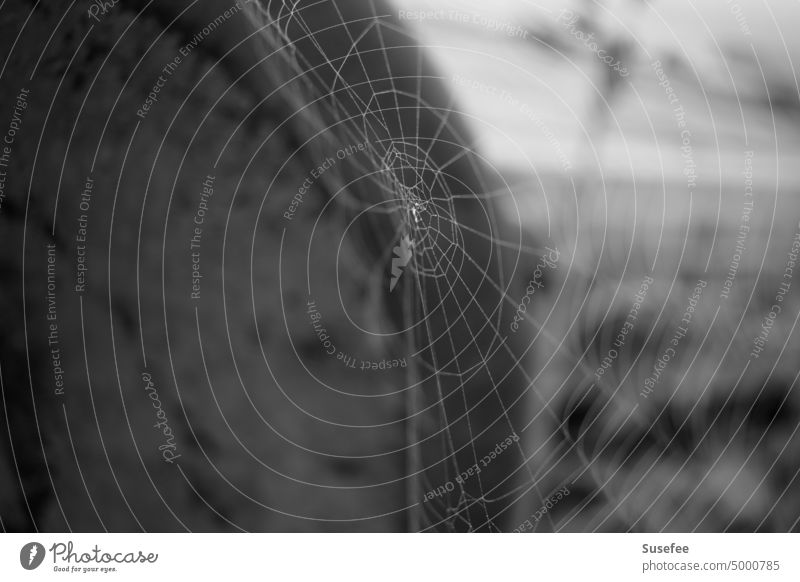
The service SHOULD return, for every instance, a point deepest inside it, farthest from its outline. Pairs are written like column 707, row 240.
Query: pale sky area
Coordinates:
column 722, row 59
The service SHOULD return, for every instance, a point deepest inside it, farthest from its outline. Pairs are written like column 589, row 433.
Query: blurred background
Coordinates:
column 605, row 325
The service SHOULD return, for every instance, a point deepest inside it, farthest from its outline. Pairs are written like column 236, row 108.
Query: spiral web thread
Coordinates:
column 427, row 242
column 412, row 193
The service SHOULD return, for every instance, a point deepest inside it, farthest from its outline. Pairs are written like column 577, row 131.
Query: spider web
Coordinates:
column 423, row 195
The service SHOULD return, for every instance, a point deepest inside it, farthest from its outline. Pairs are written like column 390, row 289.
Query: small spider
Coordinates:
column 416, row 209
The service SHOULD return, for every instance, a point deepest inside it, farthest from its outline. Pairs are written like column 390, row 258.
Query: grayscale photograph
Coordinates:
column 300, row 266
